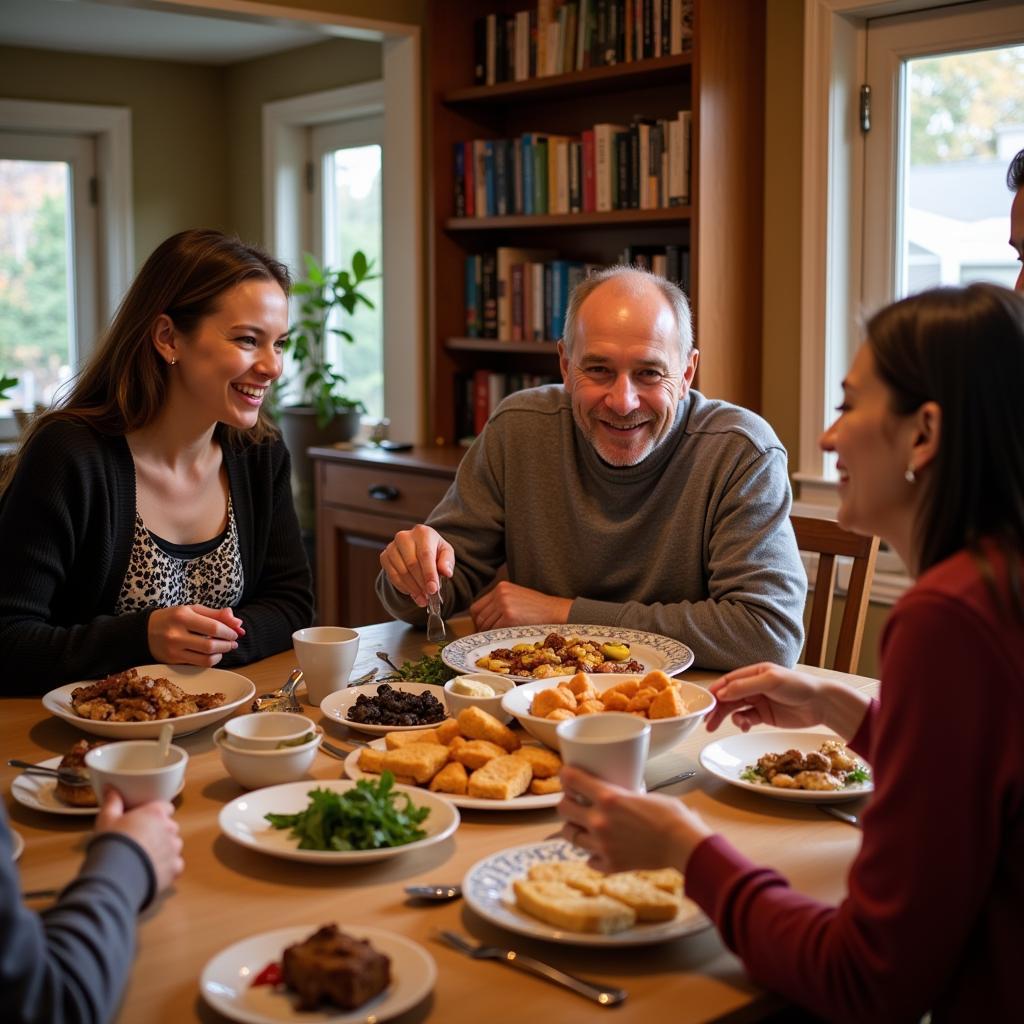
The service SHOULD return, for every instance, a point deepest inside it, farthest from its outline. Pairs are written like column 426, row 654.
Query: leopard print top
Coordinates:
column 157, row 579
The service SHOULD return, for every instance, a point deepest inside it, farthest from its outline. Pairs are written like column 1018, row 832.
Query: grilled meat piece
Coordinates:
column 333, row 967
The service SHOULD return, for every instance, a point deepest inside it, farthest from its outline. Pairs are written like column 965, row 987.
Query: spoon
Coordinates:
column 383, row 655
column 434, row 892
column 166, row 732
column 283, row 699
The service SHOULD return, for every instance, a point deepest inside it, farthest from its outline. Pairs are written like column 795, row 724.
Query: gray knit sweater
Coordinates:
column 694, row 542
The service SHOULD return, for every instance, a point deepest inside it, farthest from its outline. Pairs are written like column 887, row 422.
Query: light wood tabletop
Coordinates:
column 228, row 893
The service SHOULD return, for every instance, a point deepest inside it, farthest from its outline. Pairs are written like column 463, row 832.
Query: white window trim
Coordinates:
column 112, row 129
column 397, row 98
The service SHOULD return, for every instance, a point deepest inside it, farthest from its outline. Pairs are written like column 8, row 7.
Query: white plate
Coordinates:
column 17, row 845
column 225, row 979
column 335, row 706
column 527, row 802
column 728, row 758
column 650, row 649
column 39, row 793
column 243, row 821
column 487, row 888
column 236, row 689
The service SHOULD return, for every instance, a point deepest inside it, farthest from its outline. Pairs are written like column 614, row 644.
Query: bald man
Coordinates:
column 622, row 497
column 1015, row 183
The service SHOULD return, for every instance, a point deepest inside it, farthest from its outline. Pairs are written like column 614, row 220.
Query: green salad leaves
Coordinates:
column 369, row 816
column 428, row 669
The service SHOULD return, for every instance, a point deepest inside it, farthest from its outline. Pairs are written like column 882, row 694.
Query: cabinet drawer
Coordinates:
column 384, row 491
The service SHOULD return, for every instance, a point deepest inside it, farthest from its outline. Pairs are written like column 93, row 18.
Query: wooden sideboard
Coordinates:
column 363, row 498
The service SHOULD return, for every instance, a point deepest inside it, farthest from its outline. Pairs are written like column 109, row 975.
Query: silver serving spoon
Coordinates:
column 434, row 892
column 283, row 699
column 383, row 655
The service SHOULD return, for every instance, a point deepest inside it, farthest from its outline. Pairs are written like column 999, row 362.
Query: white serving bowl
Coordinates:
column 136, row 770
column 255, row 769
column 492, row 705
column 267, row 730
column 666, row 733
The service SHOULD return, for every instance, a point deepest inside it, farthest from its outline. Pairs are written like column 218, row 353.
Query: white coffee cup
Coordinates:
column 326, row 655
column 611, row 745
column 136, row 770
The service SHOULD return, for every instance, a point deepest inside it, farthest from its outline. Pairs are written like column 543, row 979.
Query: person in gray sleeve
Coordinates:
column 69, row 964
column 622, row 497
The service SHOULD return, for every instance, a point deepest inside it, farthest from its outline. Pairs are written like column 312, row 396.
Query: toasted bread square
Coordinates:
column 447, row 730
column 475, row 754
column 504, row 778
column 579, row 683
column 395, row 740
column 452, row 778
column 564, row 907
column 648, row 901
column 667, row 879
column 667, row 704
column 573, row 872
column 555, row 698
column 560, row 715
column 371, row 760
column 477, row 724
column 541, row 787
column 655, row 680
column 421, row 761
column 544, row 762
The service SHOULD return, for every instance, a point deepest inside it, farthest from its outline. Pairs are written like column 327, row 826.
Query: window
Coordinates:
column 346, row 157
column 48, row 299
column 909, row 203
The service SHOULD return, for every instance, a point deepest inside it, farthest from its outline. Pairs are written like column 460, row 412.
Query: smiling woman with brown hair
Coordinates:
column 149, row 516
column 930, row 454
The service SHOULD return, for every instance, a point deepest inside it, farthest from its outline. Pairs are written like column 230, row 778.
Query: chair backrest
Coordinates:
column 830, row 540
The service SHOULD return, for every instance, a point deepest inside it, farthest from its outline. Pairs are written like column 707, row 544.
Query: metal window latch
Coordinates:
column 865, row 108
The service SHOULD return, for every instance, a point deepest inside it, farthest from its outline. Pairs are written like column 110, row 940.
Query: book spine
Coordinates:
column 492, row 49
column 467, row 170
column 575, row 176
column 621, row 199
column 489, row 288
column 480, row 51
column 537, row 332
column 589, row 180
column 603, row 165
column 480, row 176
column 548, row 290
column 540, row 174
column 522, row 46
column 516, row 277
column 515, row 151
column 472, row 297
column 459, row 177
column 526, row 145
column 685, row 129
column 481, row 399
column 490, row 191
column 686, row 31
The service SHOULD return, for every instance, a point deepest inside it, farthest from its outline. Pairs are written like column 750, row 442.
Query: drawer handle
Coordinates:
column 384, row 492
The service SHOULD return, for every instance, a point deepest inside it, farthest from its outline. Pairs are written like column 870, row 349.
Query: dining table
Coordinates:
column 229, row 892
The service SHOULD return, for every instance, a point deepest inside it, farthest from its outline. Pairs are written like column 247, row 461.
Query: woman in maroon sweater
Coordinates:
column 930, row 448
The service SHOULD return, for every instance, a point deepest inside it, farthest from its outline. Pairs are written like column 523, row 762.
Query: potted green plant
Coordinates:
column 321, row 414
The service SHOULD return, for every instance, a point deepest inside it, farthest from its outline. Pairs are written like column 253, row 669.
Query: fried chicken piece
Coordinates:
column 817, row 780
column 838, row 756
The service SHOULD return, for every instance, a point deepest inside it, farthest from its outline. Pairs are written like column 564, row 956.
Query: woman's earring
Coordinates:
column 910, row 476
column 174, row 360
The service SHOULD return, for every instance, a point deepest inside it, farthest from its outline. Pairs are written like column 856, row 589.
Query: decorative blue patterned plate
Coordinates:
column 487, row 888
column 651, row 649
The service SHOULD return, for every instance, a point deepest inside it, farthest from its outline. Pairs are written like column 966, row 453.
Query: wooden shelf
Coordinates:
column 629, row 75
column 538, row 348
column 603, row 219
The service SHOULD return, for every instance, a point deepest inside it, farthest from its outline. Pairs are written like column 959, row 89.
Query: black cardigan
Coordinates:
column 67, row 522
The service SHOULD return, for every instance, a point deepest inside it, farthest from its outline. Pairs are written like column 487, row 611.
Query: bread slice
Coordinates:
column 575, row 873
column 371, row 760
column 560, row 905
column 477, row 724
column 648, row 901
column 475, row 754
column 504, row 778
column 395, row 740
column 545, row 763
column 452, row 778
column 421, row 761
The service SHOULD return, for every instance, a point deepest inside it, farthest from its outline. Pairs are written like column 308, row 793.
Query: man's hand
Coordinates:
column 415, row 560
column 511, row 605
column 153, row 827
column 192, row 634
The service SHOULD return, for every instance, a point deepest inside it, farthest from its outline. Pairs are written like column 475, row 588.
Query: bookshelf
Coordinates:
column 720, row 80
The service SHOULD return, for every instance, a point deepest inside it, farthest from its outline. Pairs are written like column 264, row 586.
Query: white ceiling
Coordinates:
column 133, row 28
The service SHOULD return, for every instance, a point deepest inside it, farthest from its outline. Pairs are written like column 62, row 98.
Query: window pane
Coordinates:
column 963, row 120
column 36, row 344
column 353, row 212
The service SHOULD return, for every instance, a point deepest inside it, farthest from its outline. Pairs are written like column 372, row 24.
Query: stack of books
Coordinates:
column 641, row 166
column 480, row 393
column 558, row 36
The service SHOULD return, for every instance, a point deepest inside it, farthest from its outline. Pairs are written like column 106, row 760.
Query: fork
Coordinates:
column 436, row 632
column 69, row 778
column 600, row 995
column 283, row 699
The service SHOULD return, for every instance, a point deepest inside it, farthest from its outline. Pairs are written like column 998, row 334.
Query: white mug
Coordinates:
column 136, row 770
column 613, row 746
column 326, row 655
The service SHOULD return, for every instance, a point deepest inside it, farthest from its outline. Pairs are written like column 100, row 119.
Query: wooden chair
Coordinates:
column 830, row 540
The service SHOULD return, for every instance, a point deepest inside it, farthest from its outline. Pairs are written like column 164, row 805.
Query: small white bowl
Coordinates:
column 666, row 733
column 135, row 769
column 459, row 701
column 255, row 769
column 267, row 730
